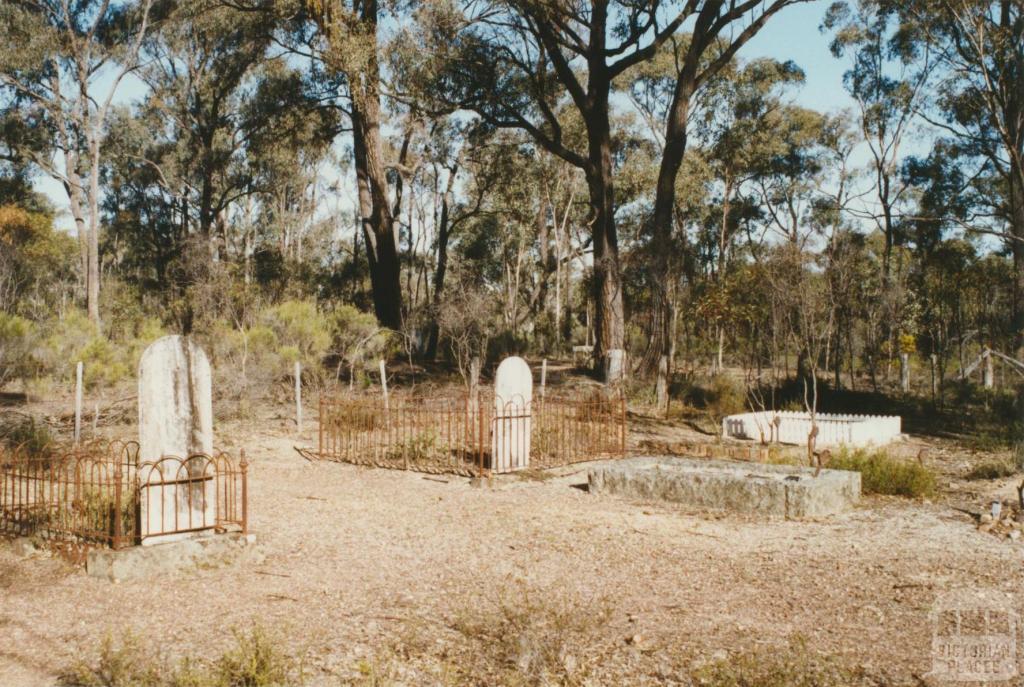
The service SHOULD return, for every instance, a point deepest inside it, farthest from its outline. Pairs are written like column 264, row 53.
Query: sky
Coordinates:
column 793, row 34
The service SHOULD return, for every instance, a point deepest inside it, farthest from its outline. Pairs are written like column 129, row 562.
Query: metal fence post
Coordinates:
column 118, row 523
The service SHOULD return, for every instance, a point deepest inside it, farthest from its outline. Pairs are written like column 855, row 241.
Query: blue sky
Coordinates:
column 793, row 35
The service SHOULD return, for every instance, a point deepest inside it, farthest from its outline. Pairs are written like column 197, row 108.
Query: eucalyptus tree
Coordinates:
column 534, row 64
column 349, row 33
column 718, row 32
column 225, row 123
column 979, row 109
column 61, row 66
column 888, row 79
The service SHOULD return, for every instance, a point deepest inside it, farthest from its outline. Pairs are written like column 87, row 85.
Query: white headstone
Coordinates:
column 175, row 419
column 513, row 398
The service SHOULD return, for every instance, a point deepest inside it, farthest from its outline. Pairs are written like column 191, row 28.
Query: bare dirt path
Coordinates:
column 364, row 565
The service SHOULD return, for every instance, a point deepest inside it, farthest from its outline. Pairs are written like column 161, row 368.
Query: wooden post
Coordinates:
column 384, row 384
column 543, row 377
column 78, row 402
column 243, row 465
column 95, row 418
column 298, row 396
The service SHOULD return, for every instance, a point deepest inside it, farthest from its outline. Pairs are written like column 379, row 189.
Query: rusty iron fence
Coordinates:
column 103, row 496
column 471, row 436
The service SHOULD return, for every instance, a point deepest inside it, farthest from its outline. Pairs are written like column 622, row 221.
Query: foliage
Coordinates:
column 28, row 434
column 300, row 330
column 724, row 397
column 884, row 474
column 356, row 338
column 16, row 344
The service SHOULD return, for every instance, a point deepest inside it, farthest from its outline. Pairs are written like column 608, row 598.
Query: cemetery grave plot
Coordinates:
column 103, row 496
column 501, row 430
column 169, row 485
column 456, row 434
column 770, row 490
column 793, row 427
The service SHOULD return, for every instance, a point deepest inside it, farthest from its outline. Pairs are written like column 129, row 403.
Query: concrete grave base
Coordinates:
column 772, row 490
column 142, row 562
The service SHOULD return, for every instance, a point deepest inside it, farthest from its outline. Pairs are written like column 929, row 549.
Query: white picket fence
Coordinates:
column 793, row 427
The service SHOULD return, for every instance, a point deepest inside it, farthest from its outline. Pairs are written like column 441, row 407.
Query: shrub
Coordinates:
column 725, row 397
column 302, row 331
column 883, row 474
column 991, row 469
column 355, row 337
column 16, row 340
column 255, row 661
column 34, row 438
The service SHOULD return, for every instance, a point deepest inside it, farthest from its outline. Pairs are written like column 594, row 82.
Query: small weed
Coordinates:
column 424, row 447
column 529, row 638
column 794, row 667
column 992, row 469
column 883, row 474
column 128, row 663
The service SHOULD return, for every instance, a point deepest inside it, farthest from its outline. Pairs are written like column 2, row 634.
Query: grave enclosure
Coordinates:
column 792, row 427
column 169, row 485
column 509, row 428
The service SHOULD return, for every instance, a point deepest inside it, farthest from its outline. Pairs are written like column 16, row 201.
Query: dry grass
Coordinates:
column 992, row 469
column 795, row 666
column 255, row 660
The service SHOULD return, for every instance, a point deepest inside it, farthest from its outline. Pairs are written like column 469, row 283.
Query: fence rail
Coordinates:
column 465, row 435
column 98, row 496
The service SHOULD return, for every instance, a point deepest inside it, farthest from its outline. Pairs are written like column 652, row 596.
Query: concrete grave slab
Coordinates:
column 169, row 557
column 753, row 488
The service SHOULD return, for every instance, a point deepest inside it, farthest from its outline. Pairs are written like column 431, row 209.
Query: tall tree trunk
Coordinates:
column 376, row 218
column 609, row 315
column 664, row 206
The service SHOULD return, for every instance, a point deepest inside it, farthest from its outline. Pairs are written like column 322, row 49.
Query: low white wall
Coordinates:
column 794, row 427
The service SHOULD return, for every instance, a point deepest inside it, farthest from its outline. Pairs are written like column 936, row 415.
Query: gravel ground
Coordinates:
column 363, row 566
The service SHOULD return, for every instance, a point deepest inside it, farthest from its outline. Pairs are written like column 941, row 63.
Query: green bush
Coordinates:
column 17, row 337
column 34, row 438
column 357, row 339
column 725, row 397
column 302, row 331
column 883, row 474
